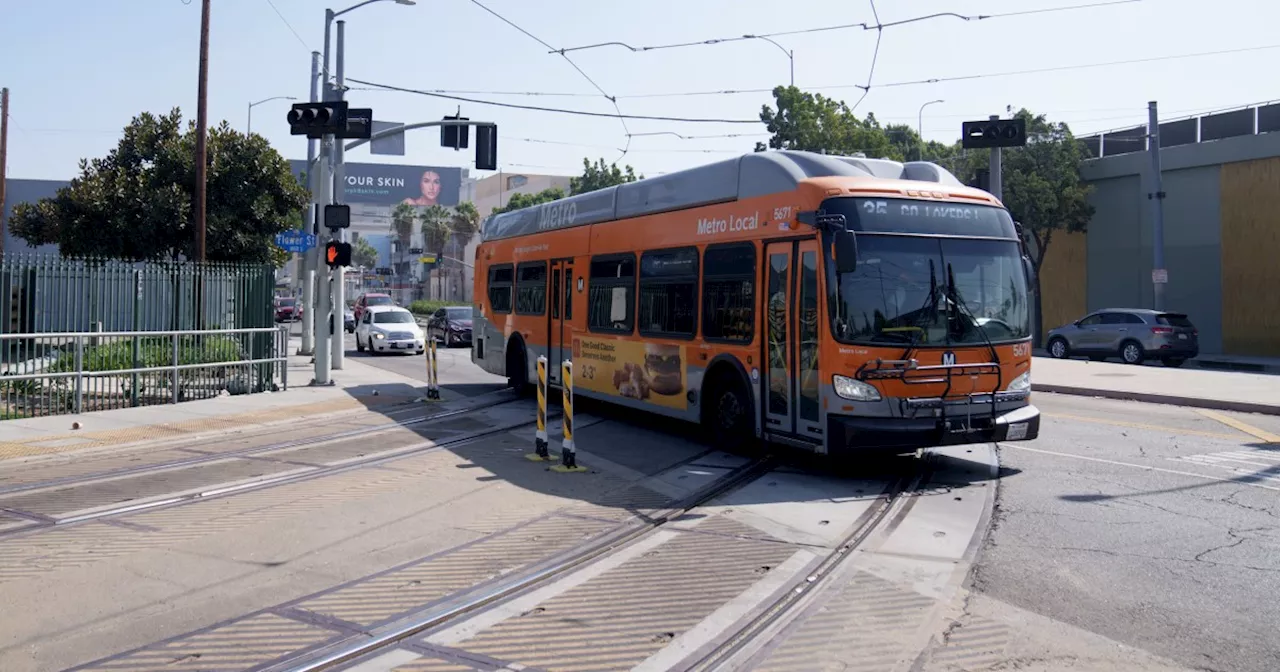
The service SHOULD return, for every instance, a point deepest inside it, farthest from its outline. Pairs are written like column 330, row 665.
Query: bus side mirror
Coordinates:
column 845, row 250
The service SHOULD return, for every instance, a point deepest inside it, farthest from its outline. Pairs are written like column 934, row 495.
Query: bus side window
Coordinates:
column 669, row 293
column 531, row 288
column 728, row 292
column 500, row 288
column 611, row 294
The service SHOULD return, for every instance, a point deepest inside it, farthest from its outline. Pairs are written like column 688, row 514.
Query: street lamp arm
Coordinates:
column 368, row 2
column 770, row 41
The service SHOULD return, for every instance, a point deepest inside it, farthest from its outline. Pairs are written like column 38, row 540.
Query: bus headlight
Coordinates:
column 855, row 390
column 1020, row 384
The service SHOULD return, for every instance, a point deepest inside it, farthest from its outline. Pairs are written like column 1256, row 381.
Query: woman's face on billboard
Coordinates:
column 430, row 185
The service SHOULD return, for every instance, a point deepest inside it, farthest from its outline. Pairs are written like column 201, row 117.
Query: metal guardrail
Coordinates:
column 55, row 373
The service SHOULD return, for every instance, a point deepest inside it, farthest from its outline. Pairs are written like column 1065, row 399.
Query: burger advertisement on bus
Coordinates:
column 654, row 373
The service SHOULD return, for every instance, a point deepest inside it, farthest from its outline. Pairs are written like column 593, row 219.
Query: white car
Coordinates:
column 389, row 329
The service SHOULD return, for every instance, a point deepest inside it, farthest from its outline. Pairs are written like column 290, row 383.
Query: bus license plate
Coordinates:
column 1017, row 432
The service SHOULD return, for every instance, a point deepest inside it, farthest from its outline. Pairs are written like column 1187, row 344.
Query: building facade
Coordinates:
column 1221, row 211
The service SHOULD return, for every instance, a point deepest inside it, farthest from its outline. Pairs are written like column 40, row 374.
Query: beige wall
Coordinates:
column 1063, row 280
column 1250, row 246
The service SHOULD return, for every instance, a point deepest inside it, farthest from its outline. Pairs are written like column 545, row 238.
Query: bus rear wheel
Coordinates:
column 727, row 418
column 517, row 370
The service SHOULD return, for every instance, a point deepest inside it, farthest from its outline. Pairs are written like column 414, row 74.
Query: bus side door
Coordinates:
column 559, row 317
column 792, row 386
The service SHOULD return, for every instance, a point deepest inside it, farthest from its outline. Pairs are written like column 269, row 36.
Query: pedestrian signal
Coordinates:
column 337, row 254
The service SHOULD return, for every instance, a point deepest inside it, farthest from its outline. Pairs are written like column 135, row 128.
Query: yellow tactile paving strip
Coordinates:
column 61, row 443
column 237, row 646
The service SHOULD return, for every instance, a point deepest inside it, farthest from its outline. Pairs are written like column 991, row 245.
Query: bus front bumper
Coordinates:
column 852, row 435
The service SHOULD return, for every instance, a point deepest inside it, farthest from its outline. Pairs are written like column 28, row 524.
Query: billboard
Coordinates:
column 389, row 185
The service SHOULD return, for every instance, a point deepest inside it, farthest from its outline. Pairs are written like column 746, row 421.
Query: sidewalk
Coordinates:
column 357, row 386
column 1195, row 387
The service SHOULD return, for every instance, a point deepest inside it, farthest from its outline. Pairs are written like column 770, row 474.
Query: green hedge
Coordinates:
column 428, row 307
column 155, row 352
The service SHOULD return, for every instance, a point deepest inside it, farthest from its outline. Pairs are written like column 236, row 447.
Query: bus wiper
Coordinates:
column 964, row 307
column 930, row 302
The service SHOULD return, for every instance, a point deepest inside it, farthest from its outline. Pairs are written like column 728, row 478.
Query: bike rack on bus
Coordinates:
column 910, row 372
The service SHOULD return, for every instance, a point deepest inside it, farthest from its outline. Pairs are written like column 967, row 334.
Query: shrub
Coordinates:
column 427, row 307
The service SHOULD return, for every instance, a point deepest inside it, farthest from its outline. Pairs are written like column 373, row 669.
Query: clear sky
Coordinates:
column 78, row 70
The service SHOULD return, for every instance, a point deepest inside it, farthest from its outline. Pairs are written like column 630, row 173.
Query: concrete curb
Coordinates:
column 1169, row 399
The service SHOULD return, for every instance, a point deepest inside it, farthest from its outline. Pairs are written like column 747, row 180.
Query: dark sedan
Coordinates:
column 450, row 325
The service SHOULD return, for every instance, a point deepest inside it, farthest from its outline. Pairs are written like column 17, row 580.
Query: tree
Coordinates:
column 811, row 122
column 599, row 175
column 436, row 227
column 402, row 219
column 137, row 202
column 465, row 220
column 363, row 254
column 518, row 201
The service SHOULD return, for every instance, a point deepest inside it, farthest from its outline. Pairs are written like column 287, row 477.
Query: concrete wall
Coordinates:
column 1221, row 242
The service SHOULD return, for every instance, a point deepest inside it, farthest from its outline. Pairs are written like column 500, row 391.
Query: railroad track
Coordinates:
column 38, row 523
column 729, row 653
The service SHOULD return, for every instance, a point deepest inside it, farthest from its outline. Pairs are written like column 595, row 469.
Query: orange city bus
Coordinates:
column 834, row 304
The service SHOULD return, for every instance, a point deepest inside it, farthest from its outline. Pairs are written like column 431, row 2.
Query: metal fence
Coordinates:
column 77, row 372
column 1248, row 120
column 44, row 294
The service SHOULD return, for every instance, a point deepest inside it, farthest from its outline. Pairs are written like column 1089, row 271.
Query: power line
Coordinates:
column 556, row 110
column 612, row 100
column 985, row 75
column 843, row 26
column 288, row 25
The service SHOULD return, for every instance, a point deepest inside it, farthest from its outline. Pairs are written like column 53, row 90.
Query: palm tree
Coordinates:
column 435, row 229
column 402, row 222
column 465, row 222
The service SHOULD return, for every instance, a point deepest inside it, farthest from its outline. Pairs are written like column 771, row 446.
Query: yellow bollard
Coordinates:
column 540, row 437
column 568, row 452
column 433, row 371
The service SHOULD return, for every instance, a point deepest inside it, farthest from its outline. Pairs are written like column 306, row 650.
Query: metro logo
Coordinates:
column 713, row 226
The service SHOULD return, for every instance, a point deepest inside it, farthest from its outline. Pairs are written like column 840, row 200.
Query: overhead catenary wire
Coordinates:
column 842, row 26
column 612, row 100
column 556, row 110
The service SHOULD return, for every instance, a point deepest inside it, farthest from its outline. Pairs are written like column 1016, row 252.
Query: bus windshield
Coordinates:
column 932, row 289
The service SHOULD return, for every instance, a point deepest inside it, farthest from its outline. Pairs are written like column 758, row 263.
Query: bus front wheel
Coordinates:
column 517, row 369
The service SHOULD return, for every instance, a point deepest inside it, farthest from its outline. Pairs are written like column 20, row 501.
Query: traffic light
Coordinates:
column 993, row 133
column 455, row 136
column 337, row 254
column 487, row 147
column 316, row 120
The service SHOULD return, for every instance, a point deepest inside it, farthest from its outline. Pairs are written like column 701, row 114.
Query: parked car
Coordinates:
column 370, row 299
column 1132, row 334
column 349, row 321
column 287, row 309
column 389, row 329
column 450, row 325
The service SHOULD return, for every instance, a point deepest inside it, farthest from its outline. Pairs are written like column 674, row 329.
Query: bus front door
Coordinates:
column 559, row 334
column 792, row 386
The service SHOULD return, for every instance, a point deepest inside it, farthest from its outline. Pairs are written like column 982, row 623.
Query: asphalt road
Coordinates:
column 1155, row 526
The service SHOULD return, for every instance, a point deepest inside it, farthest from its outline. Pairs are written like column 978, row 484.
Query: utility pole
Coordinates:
column 4, row 158
column 997, row 183
column 202, row 122
column 337, row 341
column 1159, row 274
column 311, row 258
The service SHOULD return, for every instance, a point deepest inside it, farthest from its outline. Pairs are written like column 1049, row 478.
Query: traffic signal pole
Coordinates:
column 337, row 341
column 996, row 168
column 311, row 258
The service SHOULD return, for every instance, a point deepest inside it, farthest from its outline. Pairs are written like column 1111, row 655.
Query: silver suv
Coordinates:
column 1132, row 334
